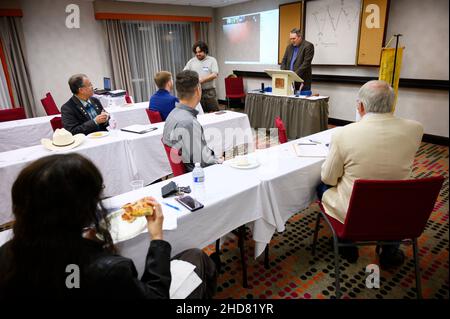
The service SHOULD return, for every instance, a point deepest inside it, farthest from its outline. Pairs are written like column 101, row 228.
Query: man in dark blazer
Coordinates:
column 298, row 57
column 83, row 113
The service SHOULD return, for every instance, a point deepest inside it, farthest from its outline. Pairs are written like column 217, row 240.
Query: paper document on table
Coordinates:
column 316, row 97
column 139, row 128
column 184, row 279
column 310, row 150
column 170, row 219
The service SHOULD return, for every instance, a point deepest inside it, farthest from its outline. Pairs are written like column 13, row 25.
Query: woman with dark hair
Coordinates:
column 56, row 250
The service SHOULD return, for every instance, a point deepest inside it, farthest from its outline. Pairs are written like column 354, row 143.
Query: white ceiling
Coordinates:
column 200, row 3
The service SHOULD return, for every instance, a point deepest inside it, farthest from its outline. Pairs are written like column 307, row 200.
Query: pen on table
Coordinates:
column 317, row 142
column 173, row 206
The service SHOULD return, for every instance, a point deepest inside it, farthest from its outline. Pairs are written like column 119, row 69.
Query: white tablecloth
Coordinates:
column 289, row 183
column 24, row 133
column 265, row 197
column 109, row 101
column 121, row 156
column 229, row 203
column 109, row 155
column 150, row 160
column 129, row 114
column 29, row 132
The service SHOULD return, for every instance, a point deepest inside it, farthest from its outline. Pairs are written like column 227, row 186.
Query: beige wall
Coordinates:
column 423, row 24
column 151, row 8
column 10, row 4
column 54, row 52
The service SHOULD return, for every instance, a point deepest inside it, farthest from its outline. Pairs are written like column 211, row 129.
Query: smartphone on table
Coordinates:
column 190, row 203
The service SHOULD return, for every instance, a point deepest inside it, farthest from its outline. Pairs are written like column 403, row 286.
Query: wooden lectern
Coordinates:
column 283, row 81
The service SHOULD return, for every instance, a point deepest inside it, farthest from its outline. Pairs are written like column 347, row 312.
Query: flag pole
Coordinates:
column 395, row 58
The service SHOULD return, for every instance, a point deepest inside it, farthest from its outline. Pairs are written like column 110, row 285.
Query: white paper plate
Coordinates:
column 98, row 134
column 122, row 230
column 252, row 163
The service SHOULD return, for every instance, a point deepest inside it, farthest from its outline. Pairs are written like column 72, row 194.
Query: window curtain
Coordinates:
column 5, row 101
column 201, row 31
column 11, row 35
column 120, row 60
column 155, row 46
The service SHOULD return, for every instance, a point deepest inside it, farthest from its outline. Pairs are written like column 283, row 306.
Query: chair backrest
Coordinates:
column 153, row 116
column 390, row 210
column 56, row 122
column 49, row 105
column 282, row 136
column 17, row 113
column 234, row 85
column 175, row 160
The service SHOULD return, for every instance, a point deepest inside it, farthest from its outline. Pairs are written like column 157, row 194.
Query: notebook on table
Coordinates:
column 139, row 128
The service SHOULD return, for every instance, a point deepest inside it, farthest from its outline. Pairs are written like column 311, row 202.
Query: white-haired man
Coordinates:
column 379, row 146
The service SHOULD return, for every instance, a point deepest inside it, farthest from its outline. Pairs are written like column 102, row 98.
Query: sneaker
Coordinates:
column 391, row 257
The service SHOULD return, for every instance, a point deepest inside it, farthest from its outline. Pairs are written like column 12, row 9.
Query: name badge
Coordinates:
column 205, row 68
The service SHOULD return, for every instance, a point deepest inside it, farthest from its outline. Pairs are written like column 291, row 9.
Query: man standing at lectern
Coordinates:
column 298, row 57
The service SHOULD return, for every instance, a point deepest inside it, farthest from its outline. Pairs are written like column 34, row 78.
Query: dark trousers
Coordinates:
column 304, row 88
column 209, row 100
column 322, row 188
column 205, row 268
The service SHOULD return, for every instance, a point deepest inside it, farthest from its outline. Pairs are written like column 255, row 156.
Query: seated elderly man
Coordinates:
column 83, row 113
column 379, row 146
column 182, row 129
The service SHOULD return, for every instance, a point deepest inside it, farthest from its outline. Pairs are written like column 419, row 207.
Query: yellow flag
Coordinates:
column 387, row 68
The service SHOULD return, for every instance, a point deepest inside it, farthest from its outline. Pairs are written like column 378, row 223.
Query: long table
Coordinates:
column 123, row 156
column 265, row 198
column 28, row 132
column 302, row 116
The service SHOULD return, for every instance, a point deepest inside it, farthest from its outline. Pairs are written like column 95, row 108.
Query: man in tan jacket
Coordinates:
column 379, row 146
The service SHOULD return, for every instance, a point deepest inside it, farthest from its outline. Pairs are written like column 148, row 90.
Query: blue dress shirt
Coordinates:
column 163, row 102
column 294, row 56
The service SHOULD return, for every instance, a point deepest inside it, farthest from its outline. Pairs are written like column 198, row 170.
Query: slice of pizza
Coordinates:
column 142, row 207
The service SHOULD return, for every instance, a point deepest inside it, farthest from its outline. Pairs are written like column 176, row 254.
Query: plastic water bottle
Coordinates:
column 198, row 176
column 112, row 125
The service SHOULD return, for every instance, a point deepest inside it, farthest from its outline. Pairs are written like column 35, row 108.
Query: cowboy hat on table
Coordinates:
column 62, row 140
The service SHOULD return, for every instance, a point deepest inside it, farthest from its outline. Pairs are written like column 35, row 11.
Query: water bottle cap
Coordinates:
column 197, row 164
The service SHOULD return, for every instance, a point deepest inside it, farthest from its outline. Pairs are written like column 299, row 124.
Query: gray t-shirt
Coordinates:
column 204, row 68
column 183, row 131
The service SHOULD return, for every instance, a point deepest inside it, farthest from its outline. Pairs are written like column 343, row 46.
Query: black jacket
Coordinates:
column 302, row 64
column 76, row 120
column 104, row 276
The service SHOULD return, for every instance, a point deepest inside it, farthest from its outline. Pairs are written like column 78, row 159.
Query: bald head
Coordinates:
column 377, row 97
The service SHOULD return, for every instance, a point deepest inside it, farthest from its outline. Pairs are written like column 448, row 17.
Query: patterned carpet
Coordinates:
column 294, row 273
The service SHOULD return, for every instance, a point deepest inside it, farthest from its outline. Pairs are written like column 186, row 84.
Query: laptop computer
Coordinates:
column 106, row 86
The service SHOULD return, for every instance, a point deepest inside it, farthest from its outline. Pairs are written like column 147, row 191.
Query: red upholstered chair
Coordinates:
column 176, row 163
column 282, row 136
column 234, row 89
column 17, row 113
column 381, row 211
column 56, row 122
column 153, row 116
column 49, row 105
column 178, row 168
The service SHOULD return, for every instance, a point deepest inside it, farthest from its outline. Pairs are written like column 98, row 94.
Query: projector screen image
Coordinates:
column 251, row 38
